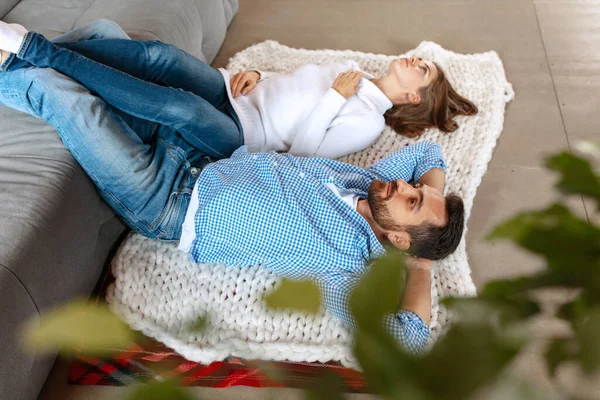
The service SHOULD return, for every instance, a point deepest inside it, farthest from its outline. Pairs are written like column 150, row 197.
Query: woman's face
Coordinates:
column 407, row 76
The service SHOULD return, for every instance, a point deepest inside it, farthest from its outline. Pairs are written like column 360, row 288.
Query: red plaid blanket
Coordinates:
column 149, row 361
column 152, row 361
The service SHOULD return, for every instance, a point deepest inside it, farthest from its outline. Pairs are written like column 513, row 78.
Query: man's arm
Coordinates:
column 410, row 163
column 435, row 178
column 417, row 292
column 407, row 327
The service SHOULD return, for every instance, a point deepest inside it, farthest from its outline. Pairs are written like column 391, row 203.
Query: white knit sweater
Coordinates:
column 300, row 113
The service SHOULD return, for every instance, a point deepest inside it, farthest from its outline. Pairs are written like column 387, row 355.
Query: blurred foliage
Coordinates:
column 165, row 390
column 330, row 387
column 486, row 335
column 299, row 295
column 75, row 326
column 577, row 175
column 199, row 325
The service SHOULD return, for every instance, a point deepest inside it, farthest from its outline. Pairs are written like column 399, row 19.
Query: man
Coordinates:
column 305, row 218
column 314, row 218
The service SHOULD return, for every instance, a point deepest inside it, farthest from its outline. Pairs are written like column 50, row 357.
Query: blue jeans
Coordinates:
column 142, row 143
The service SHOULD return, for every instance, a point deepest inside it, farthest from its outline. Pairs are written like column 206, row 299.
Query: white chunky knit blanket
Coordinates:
column 160, row 292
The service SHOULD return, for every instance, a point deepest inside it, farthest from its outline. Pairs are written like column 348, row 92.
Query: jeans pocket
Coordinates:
column 169, row 223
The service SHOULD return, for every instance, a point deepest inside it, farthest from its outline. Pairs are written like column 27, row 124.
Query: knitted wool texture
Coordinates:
column 161, row 293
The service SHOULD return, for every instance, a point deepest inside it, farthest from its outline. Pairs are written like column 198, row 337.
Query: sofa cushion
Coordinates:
column 17, row 307
column 51, row 213
column 196, row 26
column 48, row 17
column 6, row 6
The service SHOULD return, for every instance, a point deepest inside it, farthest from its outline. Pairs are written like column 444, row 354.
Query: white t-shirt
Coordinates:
column 347, row 196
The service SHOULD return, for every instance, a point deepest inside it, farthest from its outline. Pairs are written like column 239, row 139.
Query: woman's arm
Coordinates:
column 311, row 134
column 350, row 134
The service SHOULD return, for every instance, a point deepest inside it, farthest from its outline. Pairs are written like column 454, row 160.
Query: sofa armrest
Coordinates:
column 6, row 6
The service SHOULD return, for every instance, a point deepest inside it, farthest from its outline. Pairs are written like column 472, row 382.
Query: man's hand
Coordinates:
column 244, row 82
column 346, row 83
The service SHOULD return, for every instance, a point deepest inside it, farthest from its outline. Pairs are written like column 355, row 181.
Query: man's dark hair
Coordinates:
column 436, row 242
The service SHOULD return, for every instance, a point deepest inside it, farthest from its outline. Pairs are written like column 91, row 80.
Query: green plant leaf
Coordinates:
column 502, row 310
column 378, row 292
column 199, row 325
column 567, row 242
column 298, row 295
column 559, row 351
column 507, row 288
column 388, row 369
column 467, row 358
column 577, row 175
column 587, row 332
column 78, row 326
column 166, row 390
column 574, row 310
column 329, row 387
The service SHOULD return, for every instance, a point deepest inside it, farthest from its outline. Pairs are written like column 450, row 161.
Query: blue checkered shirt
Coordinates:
column 274, row 209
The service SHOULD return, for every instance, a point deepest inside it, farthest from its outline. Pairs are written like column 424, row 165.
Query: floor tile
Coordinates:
column 389, row 27
column 570, row 27
column 505, row 192
column 571, row 34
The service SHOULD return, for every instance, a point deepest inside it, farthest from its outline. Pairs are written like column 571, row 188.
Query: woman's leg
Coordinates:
column 151, row 61
column 157, row 62
column 148, row 185
column 204, row 127
column 99, row 29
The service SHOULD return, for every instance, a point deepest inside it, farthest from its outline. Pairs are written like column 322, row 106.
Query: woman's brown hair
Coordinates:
column 439, row 105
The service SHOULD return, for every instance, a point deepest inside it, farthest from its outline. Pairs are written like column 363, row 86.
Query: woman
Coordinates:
column 325, row 111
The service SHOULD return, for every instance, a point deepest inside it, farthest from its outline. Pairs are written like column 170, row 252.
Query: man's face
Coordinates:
column 397, row 204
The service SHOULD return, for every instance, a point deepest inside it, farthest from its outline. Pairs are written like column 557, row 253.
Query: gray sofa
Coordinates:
column 56, row 233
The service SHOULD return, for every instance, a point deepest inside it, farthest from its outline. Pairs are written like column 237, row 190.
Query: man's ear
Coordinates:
column 400, row 239
column 414, row 98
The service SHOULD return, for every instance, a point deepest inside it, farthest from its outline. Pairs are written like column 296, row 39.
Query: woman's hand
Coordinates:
column 244, row 82
column 346, row 83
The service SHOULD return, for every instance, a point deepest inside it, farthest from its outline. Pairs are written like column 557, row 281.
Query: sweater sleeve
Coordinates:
column 310, row 134
column 349, row 134
column 264, row 74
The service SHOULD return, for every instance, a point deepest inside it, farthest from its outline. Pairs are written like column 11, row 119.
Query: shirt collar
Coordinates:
column 370, row 93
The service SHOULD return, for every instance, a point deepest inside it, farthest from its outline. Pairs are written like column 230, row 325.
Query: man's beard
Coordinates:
column 380, row 211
